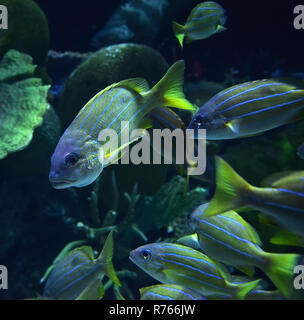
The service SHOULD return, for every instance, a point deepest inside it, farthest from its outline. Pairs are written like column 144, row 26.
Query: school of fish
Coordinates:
column 197, row 266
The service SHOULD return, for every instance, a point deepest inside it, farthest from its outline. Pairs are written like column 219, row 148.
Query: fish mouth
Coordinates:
column 61, row 183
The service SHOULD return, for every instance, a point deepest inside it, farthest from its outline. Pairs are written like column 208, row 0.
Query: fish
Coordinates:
column 169, row 292
column 205, row 20
column 250, row 109
column 171, row 263
column 81, row 155
column 78, row 275
column 301, row 151
column 282, row 201
column 228, row 238
column 190, row 241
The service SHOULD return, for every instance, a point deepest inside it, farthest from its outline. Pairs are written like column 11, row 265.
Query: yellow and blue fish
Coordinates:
column 205, row 20
column 177, row 264
column 250, row 108
column 78, row 275
column 229, row 239
column 79, row 157
column 282, row 200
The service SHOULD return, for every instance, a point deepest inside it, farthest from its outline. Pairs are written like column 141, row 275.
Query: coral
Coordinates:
column 108, row 65
column 23, row 103
column 139, row 21
column 28, row 30
column 169, row 203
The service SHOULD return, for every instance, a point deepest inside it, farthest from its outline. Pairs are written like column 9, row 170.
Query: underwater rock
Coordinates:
column 28, row 30
column 61, row 64
column 106, row 66
column 139, row 21
column 23, row 103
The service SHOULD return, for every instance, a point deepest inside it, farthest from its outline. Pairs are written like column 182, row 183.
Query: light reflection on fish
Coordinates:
column 250, row 108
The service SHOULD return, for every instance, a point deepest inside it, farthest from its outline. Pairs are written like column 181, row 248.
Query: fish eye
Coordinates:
column 146, row 254
column 71, row 159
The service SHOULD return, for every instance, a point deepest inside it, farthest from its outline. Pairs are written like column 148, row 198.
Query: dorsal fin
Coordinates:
column 139, row 85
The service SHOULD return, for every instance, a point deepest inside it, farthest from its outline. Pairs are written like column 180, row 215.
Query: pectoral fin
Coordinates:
column 234, row 126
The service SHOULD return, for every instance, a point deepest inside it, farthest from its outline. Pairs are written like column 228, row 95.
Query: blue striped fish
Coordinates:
column 206, row 19
column 178, row 264
column 250, row 108
column 78, row 275
column 282, row 200
column 168, row 292
column 301, row 151
column 229, row 239
column 79, row 157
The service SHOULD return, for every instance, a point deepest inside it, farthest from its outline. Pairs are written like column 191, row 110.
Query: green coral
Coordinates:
column 106, row 66
column 23, row 102
column 28, row 30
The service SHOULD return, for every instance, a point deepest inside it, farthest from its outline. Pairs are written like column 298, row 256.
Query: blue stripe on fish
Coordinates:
column 75, row 281
column 300, row 194
column 225, row 231
column 248, row 90
column 168, row 113
column 231, row 220
column 180, row 291
column 190, row 267
column 203, row 282
column 164, row 120
column 228, row 246
column 187, row 257
column 282, row 206
column 221, row 94
column 67, row 273
column 204, row 17
column 106, row 108
column 258, row 111
column 136, row 113
column 91, row 109
column 257, row 99
column 160, row 296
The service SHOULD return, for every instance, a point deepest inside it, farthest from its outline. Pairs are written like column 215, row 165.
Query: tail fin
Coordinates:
column 281, row 272
column 106, row 256
column 170, row 88
column 179, row 32
column 229, row 189
column 241, row 290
